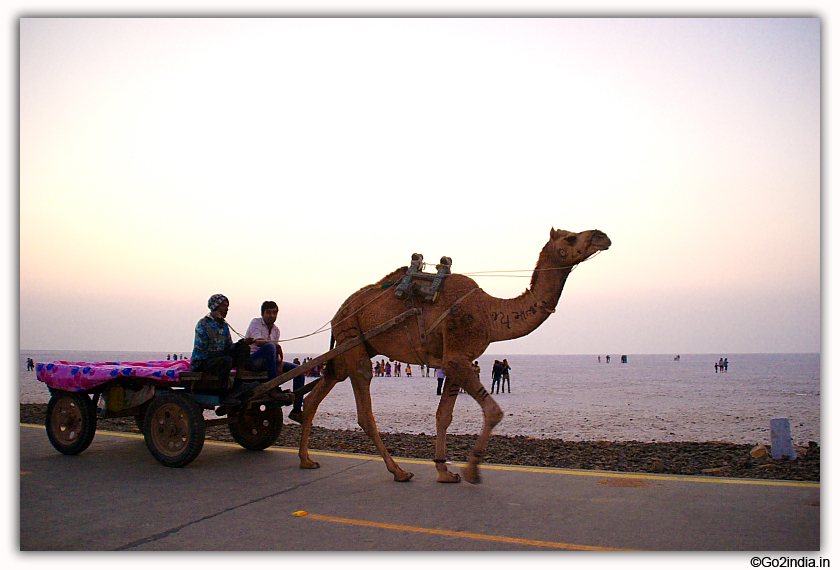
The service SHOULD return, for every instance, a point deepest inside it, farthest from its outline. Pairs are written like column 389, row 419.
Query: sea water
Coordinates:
column 650, row 398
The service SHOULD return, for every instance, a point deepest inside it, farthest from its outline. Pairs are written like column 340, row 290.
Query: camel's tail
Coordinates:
column 328, row 366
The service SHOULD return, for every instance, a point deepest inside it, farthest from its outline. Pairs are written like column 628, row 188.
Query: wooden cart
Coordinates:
column 172, row 417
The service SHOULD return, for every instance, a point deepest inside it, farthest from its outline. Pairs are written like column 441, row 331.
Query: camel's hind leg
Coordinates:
column 360, row 379
column 310, row 406
column 464, row 374
column 443, row 418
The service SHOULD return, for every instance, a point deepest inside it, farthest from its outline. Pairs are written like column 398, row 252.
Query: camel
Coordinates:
column 449, row 333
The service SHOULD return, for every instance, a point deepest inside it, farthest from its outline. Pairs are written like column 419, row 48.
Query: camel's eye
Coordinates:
column 571, row 240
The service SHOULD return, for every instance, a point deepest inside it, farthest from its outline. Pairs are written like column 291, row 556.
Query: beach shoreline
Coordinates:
column 574, row 398
column 711, row 458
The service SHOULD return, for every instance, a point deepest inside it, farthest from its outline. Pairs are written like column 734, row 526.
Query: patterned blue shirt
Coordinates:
column 211, row 339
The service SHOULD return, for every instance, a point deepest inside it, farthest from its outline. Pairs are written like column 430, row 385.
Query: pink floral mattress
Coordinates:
column 80, row 376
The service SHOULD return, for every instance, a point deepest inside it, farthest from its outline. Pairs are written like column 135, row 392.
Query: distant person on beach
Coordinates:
column 408, row 369
column 30, row 364
column 440, row 378
column 505, row 368
column 716, row 367
column 726, row 365
column 477, row 369
column 267, row 354
column 608, row 359
column 497, row 376
column 215, row 352
column 599, row 359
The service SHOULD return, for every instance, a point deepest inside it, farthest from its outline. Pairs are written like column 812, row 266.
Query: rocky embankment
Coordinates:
column 680, row 458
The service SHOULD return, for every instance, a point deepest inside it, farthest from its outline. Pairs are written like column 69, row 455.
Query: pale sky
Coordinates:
column 165, row 160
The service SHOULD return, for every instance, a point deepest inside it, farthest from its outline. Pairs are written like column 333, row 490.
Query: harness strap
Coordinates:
column 446, row 312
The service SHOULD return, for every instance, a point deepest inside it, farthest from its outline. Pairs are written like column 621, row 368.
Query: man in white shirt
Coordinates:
column 266, row 353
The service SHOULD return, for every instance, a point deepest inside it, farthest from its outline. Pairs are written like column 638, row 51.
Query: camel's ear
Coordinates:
column 554, row 233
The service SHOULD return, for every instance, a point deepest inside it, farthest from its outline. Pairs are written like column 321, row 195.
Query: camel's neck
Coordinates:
column 514, row 318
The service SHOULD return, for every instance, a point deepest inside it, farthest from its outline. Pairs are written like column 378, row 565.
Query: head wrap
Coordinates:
column 216, row 300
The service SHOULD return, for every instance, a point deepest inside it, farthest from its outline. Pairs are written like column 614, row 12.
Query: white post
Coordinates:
column 781, row 440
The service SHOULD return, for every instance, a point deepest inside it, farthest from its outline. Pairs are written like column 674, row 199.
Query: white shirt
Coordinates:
column 260, row 329
column 439, row 373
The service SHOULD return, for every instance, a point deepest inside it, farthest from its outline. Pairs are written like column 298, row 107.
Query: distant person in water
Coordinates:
column 505, row 368
column 497, row 376
column 215, row 352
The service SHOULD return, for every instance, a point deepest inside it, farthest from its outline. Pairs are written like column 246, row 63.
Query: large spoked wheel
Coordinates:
column 71, row 421
column 257, row 426
column 174, row 428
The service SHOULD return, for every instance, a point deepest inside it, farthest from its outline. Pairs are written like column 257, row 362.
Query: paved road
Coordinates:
column 115, row 496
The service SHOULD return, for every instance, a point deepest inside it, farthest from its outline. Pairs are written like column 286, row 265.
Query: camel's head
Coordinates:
column 569, row 248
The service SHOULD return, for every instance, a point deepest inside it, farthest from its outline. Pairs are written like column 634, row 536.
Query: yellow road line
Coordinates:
column 520, row 468
column 456, row 533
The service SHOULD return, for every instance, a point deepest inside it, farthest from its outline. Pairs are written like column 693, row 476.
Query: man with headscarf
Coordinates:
column 214, row 351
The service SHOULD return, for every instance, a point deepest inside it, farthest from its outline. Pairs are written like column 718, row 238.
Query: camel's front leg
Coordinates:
column 443, row 418
column 465, row 375
column 310, row 406
column 364, row 412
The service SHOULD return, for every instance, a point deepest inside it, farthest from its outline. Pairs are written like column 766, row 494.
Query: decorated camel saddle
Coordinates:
column 417, row 284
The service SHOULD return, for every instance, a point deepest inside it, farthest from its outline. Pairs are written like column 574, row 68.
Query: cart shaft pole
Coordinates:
column 269, row 385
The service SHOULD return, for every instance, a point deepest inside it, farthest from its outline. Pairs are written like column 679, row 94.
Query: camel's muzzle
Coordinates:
column 600, row 240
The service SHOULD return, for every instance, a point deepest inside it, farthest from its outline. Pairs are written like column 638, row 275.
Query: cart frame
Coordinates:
column 172, row 419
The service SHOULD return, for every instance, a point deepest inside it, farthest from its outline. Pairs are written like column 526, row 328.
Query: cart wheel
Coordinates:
column 257, row 426
column 71, row 421
column 174, row 428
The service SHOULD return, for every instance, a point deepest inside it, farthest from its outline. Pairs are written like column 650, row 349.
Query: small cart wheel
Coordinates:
column 71, row 421
column 174, row 428
column 257, row 426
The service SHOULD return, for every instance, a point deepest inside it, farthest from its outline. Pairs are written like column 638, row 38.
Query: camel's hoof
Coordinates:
column 471, row 474
column 403, row 476
column 309, row 464
column 448, row 477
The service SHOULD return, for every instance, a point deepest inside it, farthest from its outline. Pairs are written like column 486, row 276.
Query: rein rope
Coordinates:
column 326, row 326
